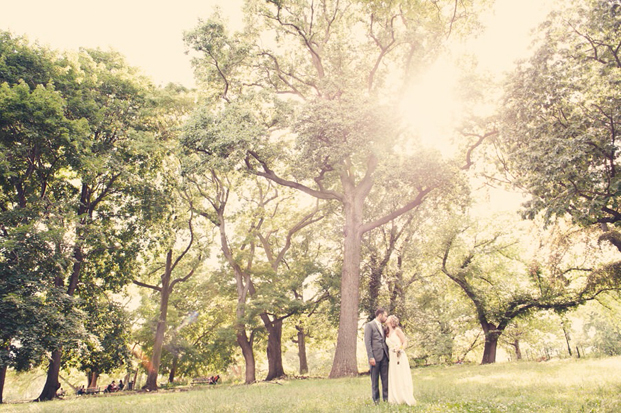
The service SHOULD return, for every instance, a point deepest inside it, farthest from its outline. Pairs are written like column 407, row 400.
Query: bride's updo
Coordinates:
column 392, row 321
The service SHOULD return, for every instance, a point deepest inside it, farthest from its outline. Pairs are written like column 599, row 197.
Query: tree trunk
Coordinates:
column 173, row 369
column 154, row 366
column 274, row 347
column 518, row 352
column 51, row 383
column 302, row 350
column 248, row 353
column 491, row 344
column 3, row 370
column 375, row 282
column 92, row 379
column 397, row 295
column 345, row 360
column 566, row 337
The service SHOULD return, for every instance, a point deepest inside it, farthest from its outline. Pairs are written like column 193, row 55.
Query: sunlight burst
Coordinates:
column 430, row 106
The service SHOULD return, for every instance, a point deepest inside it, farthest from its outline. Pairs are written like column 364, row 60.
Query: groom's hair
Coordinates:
column 379, row 311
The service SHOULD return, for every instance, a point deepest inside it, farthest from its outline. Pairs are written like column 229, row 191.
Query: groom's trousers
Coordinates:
column 380, row 370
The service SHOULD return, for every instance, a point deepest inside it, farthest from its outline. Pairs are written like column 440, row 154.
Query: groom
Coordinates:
column 377, row 351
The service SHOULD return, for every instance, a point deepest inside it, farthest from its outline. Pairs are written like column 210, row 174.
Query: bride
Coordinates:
column 400, row 388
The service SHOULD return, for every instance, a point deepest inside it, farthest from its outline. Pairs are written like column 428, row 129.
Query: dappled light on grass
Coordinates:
column 562, row 386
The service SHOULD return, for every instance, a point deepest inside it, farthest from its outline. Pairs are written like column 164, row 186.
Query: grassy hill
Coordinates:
column 570, row 385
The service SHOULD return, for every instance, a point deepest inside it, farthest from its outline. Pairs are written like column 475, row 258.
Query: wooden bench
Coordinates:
column 205, row 380
column 92, row 390
column 200, row 380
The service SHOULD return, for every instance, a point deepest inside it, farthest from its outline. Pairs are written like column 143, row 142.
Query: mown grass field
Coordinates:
column 592, row 385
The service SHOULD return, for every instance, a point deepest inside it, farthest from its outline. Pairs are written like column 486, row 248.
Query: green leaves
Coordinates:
column 560, row 115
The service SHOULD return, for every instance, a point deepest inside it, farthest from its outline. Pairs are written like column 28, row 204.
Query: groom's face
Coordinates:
column 383, row 317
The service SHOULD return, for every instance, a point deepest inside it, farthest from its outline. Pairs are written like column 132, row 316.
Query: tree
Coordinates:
column 37, row 142
column 70, row 129
column 214, row 186
column 179, row 215
column 259, row 278
column 559, row 134
column 36, row 315
column 601, row 329
column 501, row 288
column 202, row 341
column 106, row 182
column 344, row 129
column 438, row 321
column 280, row 283
column 107, row 346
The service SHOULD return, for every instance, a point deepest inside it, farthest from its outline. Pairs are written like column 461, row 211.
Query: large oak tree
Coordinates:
column 343, row 64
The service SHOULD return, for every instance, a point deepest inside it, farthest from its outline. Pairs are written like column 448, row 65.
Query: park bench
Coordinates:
column 206, row 380
column 92, row 390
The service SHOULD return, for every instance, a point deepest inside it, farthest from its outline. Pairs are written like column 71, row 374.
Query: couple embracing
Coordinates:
column 387, row 359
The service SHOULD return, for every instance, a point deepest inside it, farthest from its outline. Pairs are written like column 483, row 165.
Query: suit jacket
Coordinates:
column 375, row 342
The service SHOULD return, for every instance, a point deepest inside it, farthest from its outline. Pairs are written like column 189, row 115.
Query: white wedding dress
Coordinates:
column 400, row 389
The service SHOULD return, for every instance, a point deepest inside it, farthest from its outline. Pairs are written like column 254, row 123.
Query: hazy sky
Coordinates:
column 149, row 33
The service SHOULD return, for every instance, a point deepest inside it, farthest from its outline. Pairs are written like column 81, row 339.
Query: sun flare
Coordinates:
column 430, row 107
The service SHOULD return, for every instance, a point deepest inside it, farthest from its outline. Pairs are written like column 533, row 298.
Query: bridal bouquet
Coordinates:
column 398, row 352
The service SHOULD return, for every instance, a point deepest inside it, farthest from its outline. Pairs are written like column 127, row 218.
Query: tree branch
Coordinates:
column 141, row 284
column 271, row 175
column 398, row 212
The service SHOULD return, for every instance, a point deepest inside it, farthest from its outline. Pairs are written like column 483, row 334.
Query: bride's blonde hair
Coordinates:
column 392, row 321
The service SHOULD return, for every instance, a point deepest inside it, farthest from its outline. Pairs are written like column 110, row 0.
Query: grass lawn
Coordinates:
column 592, row 385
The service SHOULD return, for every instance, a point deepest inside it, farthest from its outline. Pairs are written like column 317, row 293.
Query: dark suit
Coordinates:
column 375, row 343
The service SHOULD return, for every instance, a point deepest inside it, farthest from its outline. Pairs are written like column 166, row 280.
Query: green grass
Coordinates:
column 592, row 385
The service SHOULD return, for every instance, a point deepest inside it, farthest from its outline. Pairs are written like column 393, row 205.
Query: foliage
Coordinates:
column 106, row 347
column 77, row 152
column 37, row 316
column 503, row 287
column 35, row 145
column 198, row 331
column 338, row 137
column 601, row 332
column 438, row 323
column 559, row 119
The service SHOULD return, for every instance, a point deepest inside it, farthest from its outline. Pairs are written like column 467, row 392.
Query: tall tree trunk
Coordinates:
column 274, row 347
column 51, row 383
column 491, row 343
column 301, row 341
column 345, row 358
column 92, row 379
column 154, row 366
column 247, row 351
column 3, row 370
column 173, row 369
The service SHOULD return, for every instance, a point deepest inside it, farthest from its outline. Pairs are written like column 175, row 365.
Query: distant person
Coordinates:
column 377, row 352
column 60, row 392
column 121, row 385
column 400, row 389
column 81, row 390
column 111, row 387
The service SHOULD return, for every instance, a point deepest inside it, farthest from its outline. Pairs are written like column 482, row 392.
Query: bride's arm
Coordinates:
column 402, row 338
